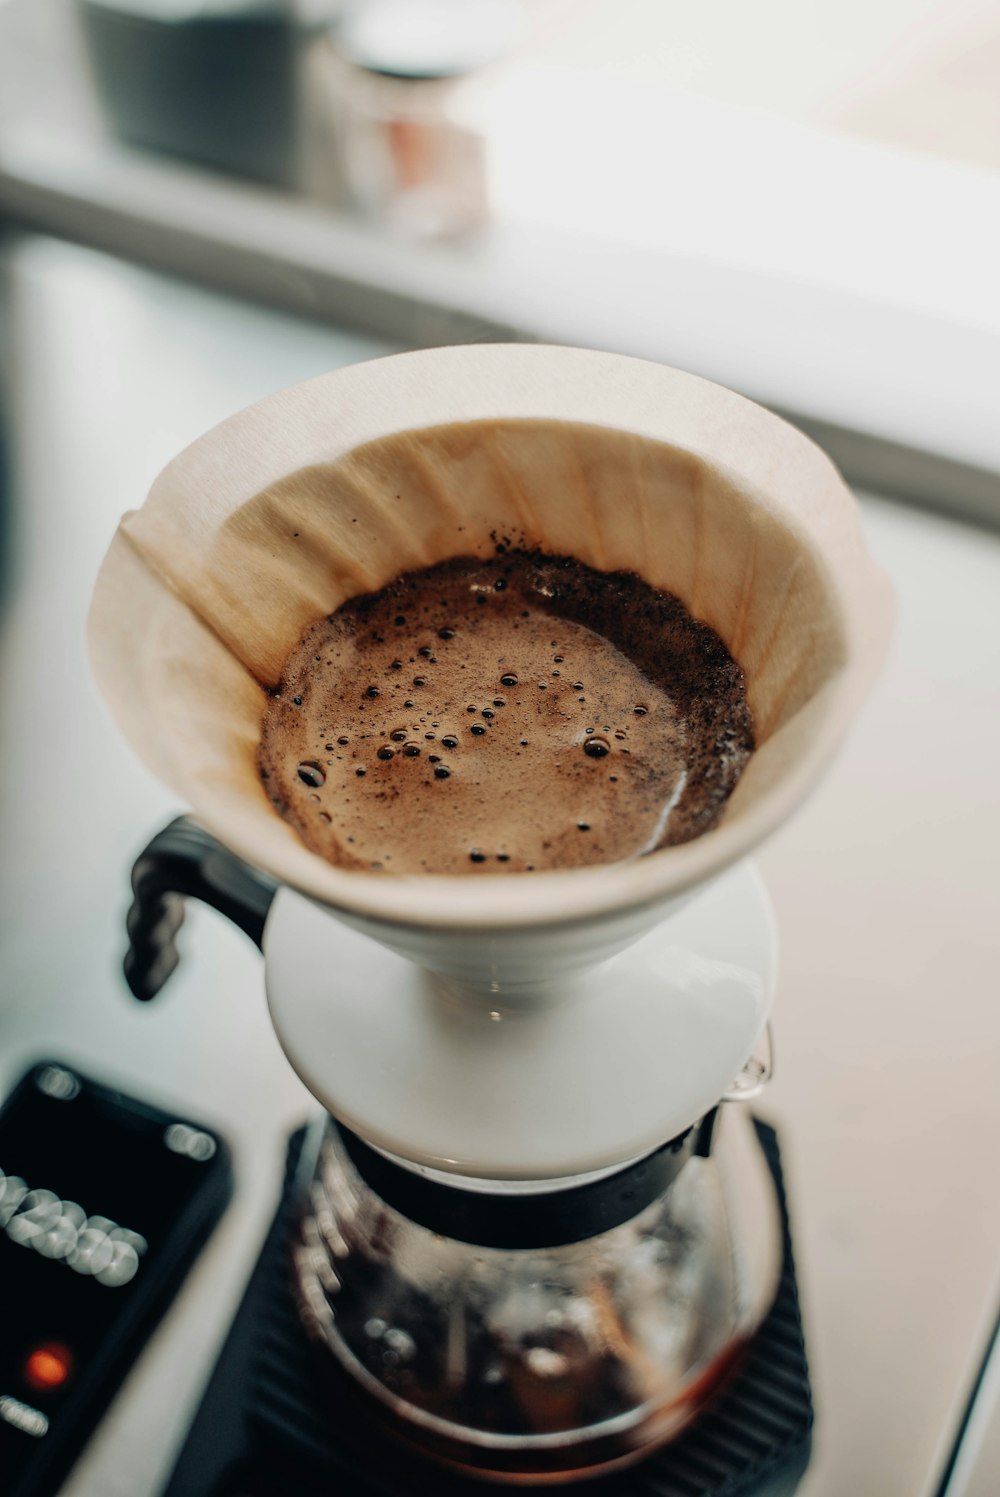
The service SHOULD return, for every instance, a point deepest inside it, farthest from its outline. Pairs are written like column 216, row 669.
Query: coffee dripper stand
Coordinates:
column 528, row 1325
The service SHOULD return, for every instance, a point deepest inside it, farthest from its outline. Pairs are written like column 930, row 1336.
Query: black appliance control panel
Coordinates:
column 104, row 1203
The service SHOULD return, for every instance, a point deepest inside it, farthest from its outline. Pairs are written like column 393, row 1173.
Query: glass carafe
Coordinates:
column 546, row 1360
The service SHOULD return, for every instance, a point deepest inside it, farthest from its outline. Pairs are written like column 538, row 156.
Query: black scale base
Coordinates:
column 263, row 1429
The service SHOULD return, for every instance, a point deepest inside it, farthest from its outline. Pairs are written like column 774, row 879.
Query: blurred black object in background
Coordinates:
column 212, row 82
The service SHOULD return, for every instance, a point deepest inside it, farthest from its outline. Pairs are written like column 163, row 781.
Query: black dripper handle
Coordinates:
column 184, row 861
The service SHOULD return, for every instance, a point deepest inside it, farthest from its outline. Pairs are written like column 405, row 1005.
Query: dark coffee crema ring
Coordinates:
column 521, row 713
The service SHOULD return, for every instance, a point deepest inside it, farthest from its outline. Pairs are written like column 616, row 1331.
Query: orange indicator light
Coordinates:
column 48, row 1367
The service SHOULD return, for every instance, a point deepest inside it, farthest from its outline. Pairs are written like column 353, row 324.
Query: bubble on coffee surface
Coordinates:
column 311, row 773
column 566, row 717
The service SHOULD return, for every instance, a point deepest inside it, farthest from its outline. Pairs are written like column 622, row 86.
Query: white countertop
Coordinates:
column 885, row 887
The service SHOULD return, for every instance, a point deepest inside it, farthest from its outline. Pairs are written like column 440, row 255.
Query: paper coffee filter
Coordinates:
column 335, row 487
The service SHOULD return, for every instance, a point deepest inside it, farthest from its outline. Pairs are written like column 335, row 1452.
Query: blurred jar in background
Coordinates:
column 392, row 91
column 212, row 81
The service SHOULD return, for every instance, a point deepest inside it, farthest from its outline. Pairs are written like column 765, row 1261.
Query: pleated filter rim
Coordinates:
column 333, row 488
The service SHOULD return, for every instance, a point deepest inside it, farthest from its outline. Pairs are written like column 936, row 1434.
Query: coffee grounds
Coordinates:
column 503, row 716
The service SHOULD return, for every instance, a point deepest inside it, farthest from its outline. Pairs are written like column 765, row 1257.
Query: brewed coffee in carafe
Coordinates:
column 540, row 1357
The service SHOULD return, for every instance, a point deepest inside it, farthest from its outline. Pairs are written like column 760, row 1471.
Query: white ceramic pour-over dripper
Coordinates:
column 335, row 487
column 577, row 1075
